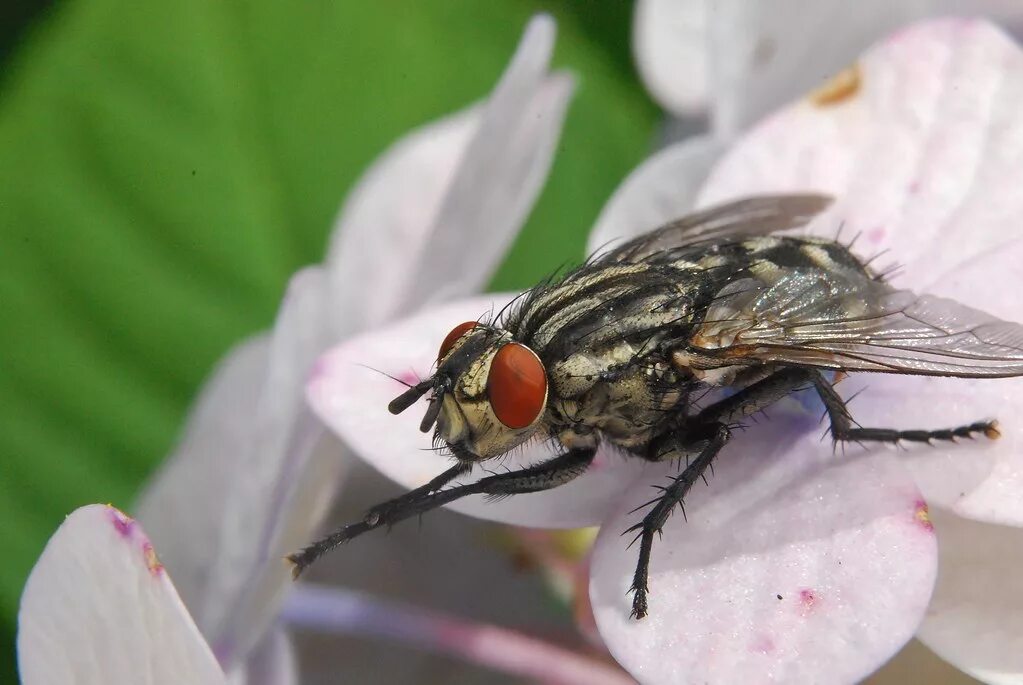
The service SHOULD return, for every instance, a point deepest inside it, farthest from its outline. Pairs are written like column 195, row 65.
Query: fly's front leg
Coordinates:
column 382, row 510
column 843, row 429
column 715, row 436
column 543, row 476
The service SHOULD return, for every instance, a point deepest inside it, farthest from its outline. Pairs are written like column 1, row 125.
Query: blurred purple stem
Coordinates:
column 331, row 609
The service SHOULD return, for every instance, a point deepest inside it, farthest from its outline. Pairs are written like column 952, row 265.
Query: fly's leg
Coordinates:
column 382, row 510
column 671, row 496
column 543, row 476
column 843, row 430
column 708, row 431
column 774, row 387
column 757, row 396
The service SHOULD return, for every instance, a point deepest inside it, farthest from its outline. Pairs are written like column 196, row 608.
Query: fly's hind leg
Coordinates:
column 844, row 430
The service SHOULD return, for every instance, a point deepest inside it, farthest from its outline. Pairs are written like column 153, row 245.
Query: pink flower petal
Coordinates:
column 795, row 565
column 763, row 55
column 975, row 620
column 670, row 42
column 921, row 148
column 352, row 400
column 434, row 215
column 99, row 608
column 660, row 189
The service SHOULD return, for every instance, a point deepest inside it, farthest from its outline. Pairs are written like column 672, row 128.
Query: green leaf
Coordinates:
column 166, row 166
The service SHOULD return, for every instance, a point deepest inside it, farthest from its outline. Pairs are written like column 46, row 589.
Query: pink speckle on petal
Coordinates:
column 319, row 369
column 914, row 187
column 123, row 523
column 762, row 645
column 922, row 516
column 808, row 601
column 876, row 234
column 126, row 528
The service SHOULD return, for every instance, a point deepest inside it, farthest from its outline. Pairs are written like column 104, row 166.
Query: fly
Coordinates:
column 619, row 349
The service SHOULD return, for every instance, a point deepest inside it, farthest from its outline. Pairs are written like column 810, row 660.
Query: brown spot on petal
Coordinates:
column 152, row 561
column 839, row 88
column 923, row 516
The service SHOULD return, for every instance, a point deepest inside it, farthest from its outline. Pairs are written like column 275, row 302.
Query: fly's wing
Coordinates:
column 742, row 218
column 846, row 320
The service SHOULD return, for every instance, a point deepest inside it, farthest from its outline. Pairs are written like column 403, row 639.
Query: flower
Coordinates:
column 798, row 564
column 99, row 607
column 736, row 61
column 254, row 471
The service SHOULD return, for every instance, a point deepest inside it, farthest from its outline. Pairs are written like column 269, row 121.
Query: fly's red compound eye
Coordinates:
column 452, row 337
column 517, row 385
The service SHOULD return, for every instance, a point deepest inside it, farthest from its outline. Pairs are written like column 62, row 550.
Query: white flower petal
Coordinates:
column 921, row 148
column 975, row 620
column 922, row 157
column 498, row 181
column 795, row 565
column 184, row 501
column 981, row 479
column 352, row 400
column 662, row 188
column 764, row 54
column 223, row 500
column 388, row 218
column 272, row 662
column 298, row 511
column 99, row 608
column 670, row 42
column 440, row 208
column 282, row 436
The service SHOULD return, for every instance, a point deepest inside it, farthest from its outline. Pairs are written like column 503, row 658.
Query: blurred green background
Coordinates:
column 164, row 167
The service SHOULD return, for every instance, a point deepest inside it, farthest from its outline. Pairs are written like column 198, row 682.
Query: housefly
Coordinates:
column 619, row 349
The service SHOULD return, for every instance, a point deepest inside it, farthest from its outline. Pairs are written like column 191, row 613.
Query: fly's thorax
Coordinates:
column 615, row 392
column 496, row 393
column 579, row 372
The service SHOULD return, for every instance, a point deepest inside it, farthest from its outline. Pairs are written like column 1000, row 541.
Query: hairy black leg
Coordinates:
column 543, row 476
column 844, row 430
column 671, row 496
column 757, row 396
column 708, row 431
column 381, row 510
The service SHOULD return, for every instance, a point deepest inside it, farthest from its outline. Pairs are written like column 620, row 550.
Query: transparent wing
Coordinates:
column 849, row 321
column 742, row 218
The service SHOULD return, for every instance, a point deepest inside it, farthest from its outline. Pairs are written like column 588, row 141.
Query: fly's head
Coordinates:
column 488, row 395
